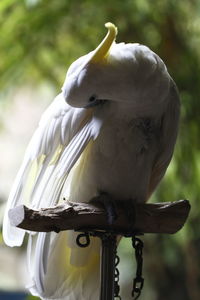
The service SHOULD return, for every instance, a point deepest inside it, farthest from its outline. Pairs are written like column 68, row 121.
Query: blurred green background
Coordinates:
column 38, row 41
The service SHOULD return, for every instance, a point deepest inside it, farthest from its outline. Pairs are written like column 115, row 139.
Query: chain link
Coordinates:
column 138, row 281
column 83, row 239
column 116, row 283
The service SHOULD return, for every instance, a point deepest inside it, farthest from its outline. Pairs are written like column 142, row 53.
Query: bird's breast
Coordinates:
column 118, row 162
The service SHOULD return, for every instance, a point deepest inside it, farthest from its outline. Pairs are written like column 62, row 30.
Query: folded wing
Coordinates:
column 169, row 130
column 62, row 135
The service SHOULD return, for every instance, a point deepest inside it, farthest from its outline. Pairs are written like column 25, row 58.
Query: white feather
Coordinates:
column 62, row 135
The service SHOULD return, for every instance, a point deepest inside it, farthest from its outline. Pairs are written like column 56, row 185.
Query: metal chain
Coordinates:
column 116, row 283
column 138, row 282
column 83, row 240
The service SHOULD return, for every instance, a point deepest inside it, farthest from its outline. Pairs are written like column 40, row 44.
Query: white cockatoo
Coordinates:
column 112, row 129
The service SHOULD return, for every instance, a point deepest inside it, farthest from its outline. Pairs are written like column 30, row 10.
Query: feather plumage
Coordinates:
column 41, row 176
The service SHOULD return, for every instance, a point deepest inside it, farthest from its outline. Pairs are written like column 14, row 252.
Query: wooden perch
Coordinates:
column 168, row 217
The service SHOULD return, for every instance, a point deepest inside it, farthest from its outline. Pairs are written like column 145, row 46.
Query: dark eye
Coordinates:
column 92, row 98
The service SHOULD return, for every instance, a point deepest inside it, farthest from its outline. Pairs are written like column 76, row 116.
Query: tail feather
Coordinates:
column 62, row 272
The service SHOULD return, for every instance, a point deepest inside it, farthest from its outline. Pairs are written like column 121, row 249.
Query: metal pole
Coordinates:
column 108, row 252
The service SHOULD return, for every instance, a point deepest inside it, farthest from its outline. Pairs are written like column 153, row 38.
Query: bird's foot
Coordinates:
column 108, row 203
column 129, row 209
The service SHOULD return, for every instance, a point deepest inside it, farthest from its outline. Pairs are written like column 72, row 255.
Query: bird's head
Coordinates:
column 85, row 83
column 125, row 73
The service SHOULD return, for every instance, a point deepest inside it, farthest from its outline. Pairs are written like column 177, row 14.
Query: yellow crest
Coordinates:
column 102, row 50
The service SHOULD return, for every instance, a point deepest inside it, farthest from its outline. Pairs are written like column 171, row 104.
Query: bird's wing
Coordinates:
column 62, row 135
column 168, row 135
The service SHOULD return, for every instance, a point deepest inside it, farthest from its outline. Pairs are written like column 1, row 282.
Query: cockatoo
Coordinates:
column 112, row 129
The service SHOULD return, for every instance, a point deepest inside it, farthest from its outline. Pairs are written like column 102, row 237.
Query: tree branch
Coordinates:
column 166, row 217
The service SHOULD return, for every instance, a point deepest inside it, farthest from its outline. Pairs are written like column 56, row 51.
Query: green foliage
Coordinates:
column 40, row 38
column 30, row 297
column 1, row 238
